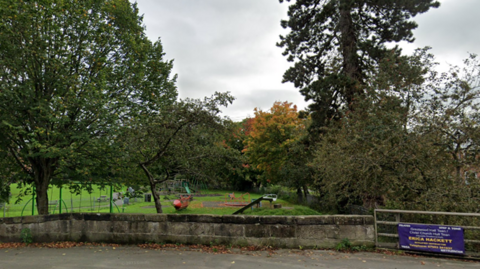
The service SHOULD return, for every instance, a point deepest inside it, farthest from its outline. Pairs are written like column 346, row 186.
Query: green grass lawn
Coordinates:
column 82, row 202
column 296, row 210
column 87, row 202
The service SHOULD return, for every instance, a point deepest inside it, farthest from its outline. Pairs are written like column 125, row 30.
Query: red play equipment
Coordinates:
column 231, row 200
column 182, row 203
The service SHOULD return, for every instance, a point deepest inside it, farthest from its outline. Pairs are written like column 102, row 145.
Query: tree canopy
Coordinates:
column 185, row 138
column 273, row 134
column 70, row 73
column 334, row 44
column 413, row 152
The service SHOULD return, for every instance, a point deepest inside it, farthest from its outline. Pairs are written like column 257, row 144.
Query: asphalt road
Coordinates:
column 135, row 257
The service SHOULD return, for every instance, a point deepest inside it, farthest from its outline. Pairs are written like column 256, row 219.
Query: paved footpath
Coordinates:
column 135, row 257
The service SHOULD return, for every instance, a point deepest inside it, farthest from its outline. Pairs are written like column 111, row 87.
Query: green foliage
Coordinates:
column 72, row 72
column 274, row 189
column 403, row 149
column 334, row 45
column 370, row 155
column 246, row 176
column 344, row 245
column 360, row 248
column 296, row 211
column 184, row 138
column 26, row 236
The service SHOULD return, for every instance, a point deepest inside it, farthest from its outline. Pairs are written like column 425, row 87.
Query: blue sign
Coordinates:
column 432, row 238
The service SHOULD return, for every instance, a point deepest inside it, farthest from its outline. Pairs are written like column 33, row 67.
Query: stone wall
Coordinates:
column 279, row 231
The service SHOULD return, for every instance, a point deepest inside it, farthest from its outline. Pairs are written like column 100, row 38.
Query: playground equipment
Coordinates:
column 182, row 203
column 272, row 196
column 51, row 204
column 232, row 200
column 179, row 186
column 109, row 199
column 267, row 197
column 59, row 206
column 197, row 186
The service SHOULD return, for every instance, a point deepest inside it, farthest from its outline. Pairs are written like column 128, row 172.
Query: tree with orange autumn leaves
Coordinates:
column 272, row 137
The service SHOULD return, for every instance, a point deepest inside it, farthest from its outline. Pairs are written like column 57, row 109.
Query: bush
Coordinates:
column 273, row 189
column 298, row 210
column 26, row 236
column 344, row 245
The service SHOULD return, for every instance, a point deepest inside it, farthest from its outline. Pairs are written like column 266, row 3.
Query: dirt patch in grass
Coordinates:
column 213, row 204
column 152, row 206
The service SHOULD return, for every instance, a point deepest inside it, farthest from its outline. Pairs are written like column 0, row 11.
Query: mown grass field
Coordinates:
column 81, row 202
column 88, row 202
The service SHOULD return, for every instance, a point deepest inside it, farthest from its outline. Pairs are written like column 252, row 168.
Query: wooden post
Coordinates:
column 376, row 228
column 397, row 219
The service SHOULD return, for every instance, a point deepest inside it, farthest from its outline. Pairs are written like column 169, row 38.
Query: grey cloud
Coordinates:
column 262, row 99
column 451, row 30
column 227, row 45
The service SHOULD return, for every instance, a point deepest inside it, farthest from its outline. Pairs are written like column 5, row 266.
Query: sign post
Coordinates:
column 431, row 238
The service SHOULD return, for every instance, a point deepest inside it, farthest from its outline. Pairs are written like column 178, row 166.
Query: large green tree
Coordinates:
column 409, row 144
column 7, row 175
column 184, row 138
column 242, row 178
column 70, row 72
column 334, row 44
column 452, row 113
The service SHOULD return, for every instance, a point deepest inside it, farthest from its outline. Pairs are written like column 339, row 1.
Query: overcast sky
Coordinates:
column 229, row 45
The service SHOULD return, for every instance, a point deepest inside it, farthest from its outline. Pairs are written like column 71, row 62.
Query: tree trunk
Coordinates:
column 305, row 191
column 41, row 196
column 156, row 198
column 153, row 185
column 43, row 171
column 348, row 47
column 299, row 195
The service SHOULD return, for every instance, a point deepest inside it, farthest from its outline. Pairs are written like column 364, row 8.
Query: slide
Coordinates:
column 187, row 189
column 251, row 204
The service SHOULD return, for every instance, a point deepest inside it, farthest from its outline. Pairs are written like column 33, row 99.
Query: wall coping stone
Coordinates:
column 97, row 216
column 205, row 218
column 227, row 219
column 282, row 231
